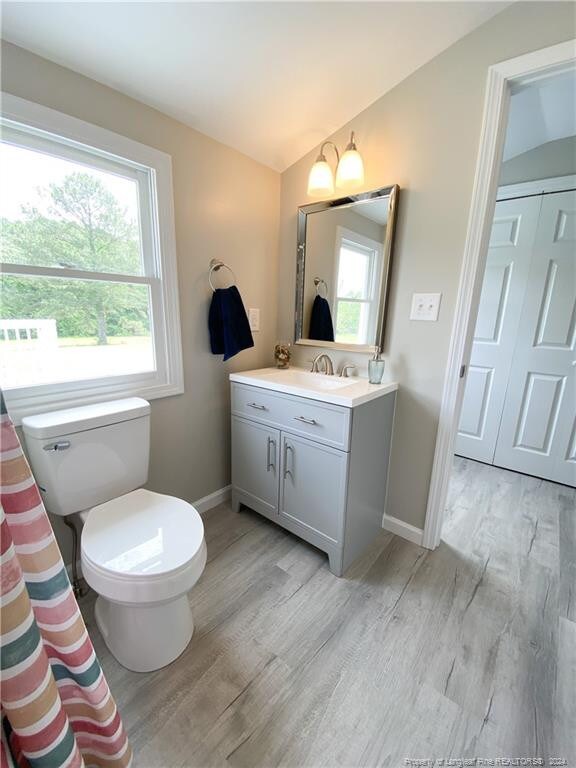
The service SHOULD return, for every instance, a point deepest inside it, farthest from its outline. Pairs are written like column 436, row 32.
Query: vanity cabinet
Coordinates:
column 306, row 498
column 317, row 469
column 255, row 466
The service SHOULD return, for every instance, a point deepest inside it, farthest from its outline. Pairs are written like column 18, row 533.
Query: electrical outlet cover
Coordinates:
column 254, row 319
column 425, row 306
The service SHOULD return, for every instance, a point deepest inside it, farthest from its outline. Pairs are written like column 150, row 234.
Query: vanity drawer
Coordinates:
column 255, row 403
column 328, row 424
column 325, row 423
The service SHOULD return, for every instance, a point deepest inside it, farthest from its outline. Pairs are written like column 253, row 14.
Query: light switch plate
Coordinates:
column 254, row 319
column 425, row 306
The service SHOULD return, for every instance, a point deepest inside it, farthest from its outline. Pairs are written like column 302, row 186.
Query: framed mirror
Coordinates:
column 343, row 266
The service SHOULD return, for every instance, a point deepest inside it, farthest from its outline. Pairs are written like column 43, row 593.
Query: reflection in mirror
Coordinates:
column 343, row 265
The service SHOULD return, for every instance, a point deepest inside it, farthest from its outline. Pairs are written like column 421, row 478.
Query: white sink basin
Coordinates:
column 315, row 386
column 298, row 378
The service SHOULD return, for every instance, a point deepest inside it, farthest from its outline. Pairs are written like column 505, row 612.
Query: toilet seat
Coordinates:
column 143, row 547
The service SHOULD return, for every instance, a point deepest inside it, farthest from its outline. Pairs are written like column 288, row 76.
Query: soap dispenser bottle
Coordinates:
column 375, row 368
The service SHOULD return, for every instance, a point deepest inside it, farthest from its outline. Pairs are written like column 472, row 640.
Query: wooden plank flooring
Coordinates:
column 468, row 651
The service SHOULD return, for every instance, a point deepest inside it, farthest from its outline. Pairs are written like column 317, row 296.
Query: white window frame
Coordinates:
column 344, row 235
column 71, row 138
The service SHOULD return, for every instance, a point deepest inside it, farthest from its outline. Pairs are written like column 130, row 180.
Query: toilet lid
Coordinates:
column 142, row 534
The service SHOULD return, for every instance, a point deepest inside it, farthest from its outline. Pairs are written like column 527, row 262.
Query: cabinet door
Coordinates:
column 313, row 487
column 255, row 464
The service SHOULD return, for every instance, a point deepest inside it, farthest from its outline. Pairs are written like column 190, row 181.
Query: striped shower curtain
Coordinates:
column 57, row 709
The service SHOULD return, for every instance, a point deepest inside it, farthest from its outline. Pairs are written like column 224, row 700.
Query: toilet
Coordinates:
column 141, row 552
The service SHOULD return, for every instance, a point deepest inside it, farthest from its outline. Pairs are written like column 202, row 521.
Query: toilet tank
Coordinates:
column 85, row 456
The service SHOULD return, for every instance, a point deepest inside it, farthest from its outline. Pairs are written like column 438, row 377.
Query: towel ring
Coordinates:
column 215, row 265
column 318, row 282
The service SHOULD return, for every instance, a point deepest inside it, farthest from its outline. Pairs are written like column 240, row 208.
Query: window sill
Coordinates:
column 28, row 402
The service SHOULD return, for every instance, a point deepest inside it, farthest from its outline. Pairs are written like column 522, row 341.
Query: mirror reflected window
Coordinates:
column 359, row 273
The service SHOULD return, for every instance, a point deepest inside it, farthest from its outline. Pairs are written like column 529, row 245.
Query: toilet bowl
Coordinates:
column 142, row 553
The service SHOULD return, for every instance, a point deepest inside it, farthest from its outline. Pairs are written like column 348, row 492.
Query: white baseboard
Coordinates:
column 212, row 500
column 405, row 530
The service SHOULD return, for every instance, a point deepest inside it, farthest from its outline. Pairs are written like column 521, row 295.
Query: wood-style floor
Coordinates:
column 467, row 651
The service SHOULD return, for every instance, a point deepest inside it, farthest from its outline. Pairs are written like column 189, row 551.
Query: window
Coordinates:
column 358, row 277
column 88, row 303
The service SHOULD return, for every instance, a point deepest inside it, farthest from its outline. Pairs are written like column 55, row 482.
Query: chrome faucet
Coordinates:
column 346, row 368
column 325, row 359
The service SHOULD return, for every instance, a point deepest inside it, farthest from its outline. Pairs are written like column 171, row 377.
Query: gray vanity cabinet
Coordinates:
column 313, row 490
column 255, row 468
column 319, row 470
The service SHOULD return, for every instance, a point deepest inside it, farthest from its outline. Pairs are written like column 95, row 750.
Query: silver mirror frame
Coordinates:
column 346, row 202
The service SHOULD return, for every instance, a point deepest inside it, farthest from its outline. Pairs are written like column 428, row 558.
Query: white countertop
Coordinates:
column 336, row 390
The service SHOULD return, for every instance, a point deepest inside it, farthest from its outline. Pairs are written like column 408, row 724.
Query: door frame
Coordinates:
column 503, row 79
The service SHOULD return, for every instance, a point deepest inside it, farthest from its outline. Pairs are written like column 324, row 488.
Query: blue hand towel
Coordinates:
column 321, row 321
column 228, row 324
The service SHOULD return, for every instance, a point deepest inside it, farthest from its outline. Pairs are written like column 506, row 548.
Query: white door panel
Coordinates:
column 505, row 280
column 476, row 399
column 571, row 452
column 537, row 432
column 538, row 417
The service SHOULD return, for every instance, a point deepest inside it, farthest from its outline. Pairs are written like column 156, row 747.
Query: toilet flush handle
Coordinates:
column 62, row 445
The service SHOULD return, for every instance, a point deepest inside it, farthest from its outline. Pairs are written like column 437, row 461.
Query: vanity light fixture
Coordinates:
column 321, row 178
column 349, row 170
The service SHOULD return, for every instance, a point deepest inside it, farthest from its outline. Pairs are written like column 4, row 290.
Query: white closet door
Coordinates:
column 503, row 289
column 538, row 431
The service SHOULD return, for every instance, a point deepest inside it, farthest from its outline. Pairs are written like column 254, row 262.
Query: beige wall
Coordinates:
column 422, row 135
column 555, row 158
column 226, row 207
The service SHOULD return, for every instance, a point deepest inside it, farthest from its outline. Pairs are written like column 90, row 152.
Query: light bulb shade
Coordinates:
column 321, row 179
column 350, row 171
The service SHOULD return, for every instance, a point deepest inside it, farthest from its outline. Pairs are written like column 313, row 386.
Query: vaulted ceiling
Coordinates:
column 270, row 79
column 543, row 111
